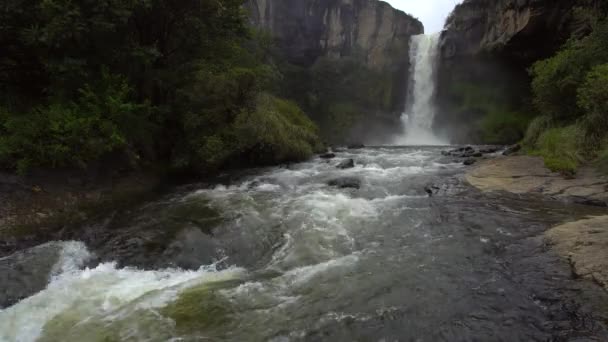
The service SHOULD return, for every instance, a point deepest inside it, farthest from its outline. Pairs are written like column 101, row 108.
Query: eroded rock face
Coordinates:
column 305, row 30
column 521, row 30
column 486, row 49
column 585, row 244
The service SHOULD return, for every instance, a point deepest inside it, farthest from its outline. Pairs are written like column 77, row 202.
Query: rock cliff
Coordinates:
column 347, row 62
column 370, row 30
column 487, row 47
column 522, row 31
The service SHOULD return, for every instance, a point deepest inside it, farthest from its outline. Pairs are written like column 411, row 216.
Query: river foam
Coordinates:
column 99, row 293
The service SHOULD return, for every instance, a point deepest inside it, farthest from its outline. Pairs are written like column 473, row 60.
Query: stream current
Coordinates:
column 277, row 254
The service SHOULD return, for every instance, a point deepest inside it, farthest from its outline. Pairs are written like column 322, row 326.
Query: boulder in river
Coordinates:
column 470, row 161
column 356, row 146
column 345, row 182
column 489, row 150
column 27, row 272
column 346, row 164
column 328, row 155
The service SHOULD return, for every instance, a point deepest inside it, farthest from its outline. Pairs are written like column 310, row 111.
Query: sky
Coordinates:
column 432, row 13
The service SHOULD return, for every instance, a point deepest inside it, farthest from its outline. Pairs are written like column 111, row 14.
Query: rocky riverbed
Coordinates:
column 288, row 254
column 584, row 243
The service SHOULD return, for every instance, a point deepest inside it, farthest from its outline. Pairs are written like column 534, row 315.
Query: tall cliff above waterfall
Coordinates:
column 486, row 48
column 370, row 30
column 345, row 62
column 520, row 30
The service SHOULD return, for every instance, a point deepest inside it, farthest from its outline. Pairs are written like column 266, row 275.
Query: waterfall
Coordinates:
column 420, row 109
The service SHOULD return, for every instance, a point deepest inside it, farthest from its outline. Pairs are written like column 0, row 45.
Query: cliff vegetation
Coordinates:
column 532, row 71
column 186, row 84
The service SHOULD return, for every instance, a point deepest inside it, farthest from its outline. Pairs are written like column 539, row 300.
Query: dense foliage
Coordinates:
column 179, row 82
column 571, row 92
column 340, row 93
column 500, row 120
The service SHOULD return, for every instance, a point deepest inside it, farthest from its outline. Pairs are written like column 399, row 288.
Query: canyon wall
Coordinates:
column 487, row 47
column 362, row 44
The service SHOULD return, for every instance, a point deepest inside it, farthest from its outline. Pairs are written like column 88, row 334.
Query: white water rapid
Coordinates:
column 420, row 109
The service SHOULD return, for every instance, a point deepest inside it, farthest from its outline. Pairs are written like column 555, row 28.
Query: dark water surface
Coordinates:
column 281, row 256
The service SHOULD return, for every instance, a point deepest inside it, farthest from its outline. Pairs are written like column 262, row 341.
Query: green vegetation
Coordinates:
column 340, row 93
column 570, row 91
column 496, row 119
column 184, row 84
column 559, row 149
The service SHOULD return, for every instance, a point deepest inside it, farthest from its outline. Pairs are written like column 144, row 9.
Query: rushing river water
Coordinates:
column 279, row 255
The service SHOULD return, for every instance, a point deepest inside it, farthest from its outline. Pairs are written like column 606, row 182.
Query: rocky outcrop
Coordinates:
column 528, row 175
column 486, row 49
column 520, row 30
column 585, row 244
column 369, row 30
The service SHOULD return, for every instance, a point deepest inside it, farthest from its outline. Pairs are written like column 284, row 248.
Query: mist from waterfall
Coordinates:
column 420, row 110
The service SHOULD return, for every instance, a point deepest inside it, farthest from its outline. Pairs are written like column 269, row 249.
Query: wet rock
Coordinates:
column 512, row 150
column 470, row 162
column 27, row 272
column 468, row 154
column 328, row 155
column 346, row 164
column 356, row 146
column 190, row 250
column 477, row 154
column 346, row 182
column 583, row 244
column 589, row 201
column 527, row 174
column 431, row 189
column 489, row 150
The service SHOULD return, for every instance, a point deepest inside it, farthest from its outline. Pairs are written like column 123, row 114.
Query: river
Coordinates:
column 277, row 254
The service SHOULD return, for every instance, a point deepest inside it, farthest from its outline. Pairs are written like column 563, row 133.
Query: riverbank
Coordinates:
column 584, row 243
column 34, row 208
column 528, row 175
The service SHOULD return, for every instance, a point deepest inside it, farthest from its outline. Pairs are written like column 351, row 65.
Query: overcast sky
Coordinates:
column 432, row 13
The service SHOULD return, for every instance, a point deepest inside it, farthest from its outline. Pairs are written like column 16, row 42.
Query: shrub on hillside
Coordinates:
column 277, row 131
column 272, row 131
column 503, row 127
column 559, row 148
column 535, row 129
column 593, row 98
column 102, row 119
column 556, row 80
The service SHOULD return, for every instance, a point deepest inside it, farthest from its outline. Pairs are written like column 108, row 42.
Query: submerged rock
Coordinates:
column 328, row 155
column 346, row 164
column 356, row 146
column 589, row 201
column 27, row 272
column 470, row 161
column 346, row 182
column 489, row 150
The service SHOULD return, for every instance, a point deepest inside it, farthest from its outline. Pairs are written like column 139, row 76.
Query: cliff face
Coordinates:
column 486, row 48
column 348, row 62
column 369, row 30
column 521, row 31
